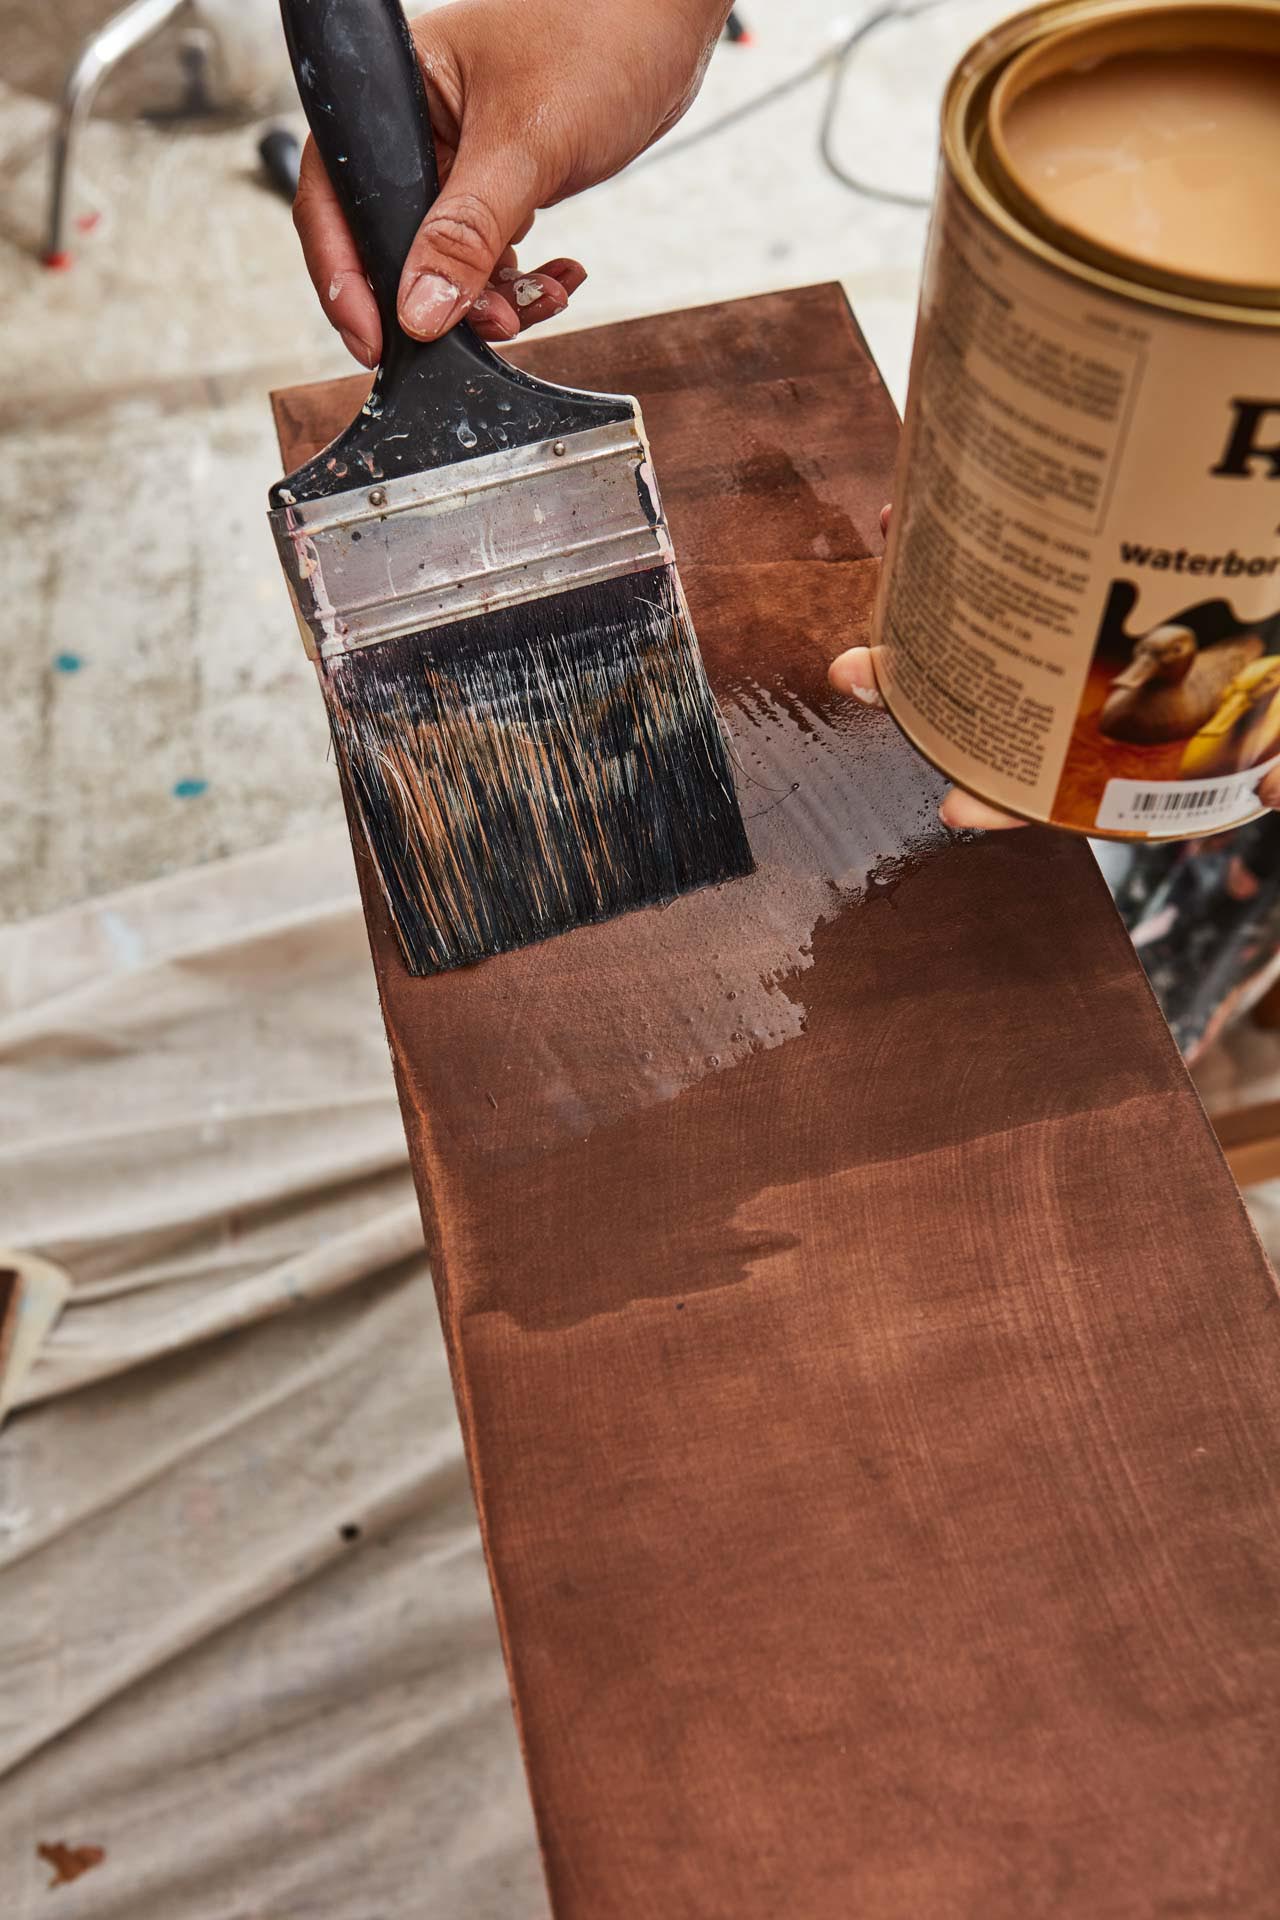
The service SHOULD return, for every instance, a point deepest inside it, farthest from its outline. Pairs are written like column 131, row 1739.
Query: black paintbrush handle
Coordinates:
column 362, row 92
column 444, row 401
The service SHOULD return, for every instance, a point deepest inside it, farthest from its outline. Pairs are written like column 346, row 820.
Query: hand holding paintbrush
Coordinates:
column 531, row 101
column 483, row 575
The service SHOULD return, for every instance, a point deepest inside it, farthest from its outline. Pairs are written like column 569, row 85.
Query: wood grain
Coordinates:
column 868, row 1372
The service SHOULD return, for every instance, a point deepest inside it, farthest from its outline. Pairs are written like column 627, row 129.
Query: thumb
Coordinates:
column 491, row 192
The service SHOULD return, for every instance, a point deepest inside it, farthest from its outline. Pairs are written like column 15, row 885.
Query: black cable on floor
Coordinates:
column 868, row 189
column 838, row 59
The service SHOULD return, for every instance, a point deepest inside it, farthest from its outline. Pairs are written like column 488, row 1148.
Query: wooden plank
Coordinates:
column 866, row 1364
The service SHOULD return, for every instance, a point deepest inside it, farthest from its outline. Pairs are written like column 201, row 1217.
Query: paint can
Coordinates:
column 1079, row 613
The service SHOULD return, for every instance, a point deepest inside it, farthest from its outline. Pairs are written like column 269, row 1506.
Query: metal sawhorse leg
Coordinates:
column 99, row 54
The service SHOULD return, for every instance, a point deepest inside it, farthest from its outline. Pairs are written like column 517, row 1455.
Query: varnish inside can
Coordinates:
column 1160, row 162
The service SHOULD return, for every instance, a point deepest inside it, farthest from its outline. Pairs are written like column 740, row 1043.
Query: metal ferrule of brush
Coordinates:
column 424, row 550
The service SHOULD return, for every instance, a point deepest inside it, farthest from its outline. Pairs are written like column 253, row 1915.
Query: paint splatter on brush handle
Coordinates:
column 363, row 94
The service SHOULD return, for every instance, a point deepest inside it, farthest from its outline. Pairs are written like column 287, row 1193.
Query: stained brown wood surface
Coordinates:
column 869, row 1375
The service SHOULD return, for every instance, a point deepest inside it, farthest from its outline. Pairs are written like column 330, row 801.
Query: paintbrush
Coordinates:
column 484, row 579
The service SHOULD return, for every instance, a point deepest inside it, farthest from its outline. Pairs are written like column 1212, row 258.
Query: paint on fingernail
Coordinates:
column 429, row 304
column 869, row 696
column 499, row 317
column 864, row 690
column 335, row 287
column 527, row 291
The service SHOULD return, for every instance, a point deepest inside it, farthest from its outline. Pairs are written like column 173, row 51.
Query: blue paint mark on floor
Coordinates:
column 67, row 662
column 189, row 789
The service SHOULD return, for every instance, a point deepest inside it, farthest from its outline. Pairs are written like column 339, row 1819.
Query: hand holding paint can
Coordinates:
column 1079, row 617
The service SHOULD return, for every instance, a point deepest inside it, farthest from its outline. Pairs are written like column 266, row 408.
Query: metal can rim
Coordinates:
column 967, row 151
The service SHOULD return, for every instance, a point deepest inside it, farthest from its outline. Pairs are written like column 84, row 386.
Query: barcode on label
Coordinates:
column 1180, row 806
column 1155, row 802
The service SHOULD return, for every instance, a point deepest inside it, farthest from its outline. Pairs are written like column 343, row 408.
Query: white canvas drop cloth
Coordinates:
column 246, row 1641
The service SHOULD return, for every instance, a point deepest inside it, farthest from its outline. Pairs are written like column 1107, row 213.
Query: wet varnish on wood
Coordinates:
column 869, row 1376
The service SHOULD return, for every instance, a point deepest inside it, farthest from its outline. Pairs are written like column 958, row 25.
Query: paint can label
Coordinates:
column 1079, row 615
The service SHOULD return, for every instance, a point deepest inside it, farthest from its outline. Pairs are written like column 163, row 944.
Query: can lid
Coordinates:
column 1204, row 27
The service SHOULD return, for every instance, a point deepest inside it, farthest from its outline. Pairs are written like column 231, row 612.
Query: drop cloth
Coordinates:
column 246, row 1642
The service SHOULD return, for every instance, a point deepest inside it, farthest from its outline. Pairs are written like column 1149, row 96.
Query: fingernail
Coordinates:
column 363, row 352
column 869, row 695
column 428, row 307
column 852, row 674
column 494, row 315
column 570, row 273
column 859, row 681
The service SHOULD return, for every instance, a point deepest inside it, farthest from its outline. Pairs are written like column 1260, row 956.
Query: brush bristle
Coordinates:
column 537, row 768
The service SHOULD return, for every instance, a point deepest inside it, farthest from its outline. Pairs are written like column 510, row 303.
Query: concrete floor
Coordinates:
column 160, row 711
